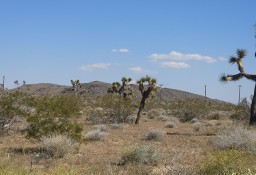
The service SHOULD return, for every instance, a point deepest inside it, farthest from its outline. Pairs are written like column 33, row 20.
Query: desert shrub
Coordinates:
column 162, row 118
column 169, row 125
column 154, row 134
column 188, row 116
column 95, row 135
column 236, row 137
column 141, row 155
column 153, row 113
column 194, row 120
column 188, row 109
column 116, row 126
column 213, row 116
column 55, row 115
column 58, row 146
column 115, row 109
column 241, row 113
column 12, row 104
column 102, row 128
column 196, row 126
column 8, row 167
column 227, row 162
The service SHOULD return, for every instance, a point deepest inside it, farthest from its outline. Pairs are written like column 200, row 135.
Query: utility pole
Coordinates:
column 239, row 94
column 2, row 85
column 161, row 85
column 205, row 91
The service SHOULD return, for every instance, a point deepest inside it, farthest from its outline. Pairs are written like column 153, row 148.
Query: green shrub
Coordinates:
column 114, row 109
column 226, row 162
column 55, row 115
column 141, row 155
column 12, row 104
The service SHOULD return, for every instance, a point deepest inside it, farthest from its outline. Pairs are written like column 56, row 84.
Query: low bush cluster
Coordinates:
column 141, row 155
column 58, row 146
column 236, row 137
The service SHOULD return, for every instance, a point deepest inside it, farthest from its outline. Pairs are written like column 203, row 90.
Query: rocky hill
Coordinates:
column 97, row 88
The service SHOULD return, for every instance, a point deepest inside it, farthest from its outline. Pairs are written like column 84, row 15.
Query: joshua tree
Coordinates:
column 122, row 89
column 150, row 90
column 16, row 82
column 240, row 54
column 77, row 87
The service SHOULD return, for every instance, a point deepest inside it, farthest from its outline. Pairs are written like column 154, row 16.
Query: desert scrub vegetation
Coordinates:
column 110, row 109
column 95, row 135
column 236, row 137
column 170, row 124
column 58, row 146
column 55, row 114
column 141, row 155
column 230, row 161
column 12, row 104
column 186, row 110
column 154, row 134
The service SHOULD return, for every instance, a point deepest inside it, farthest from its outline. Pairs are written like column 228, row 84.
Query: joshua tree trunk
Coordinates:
column 253, row 115
column 142, row 104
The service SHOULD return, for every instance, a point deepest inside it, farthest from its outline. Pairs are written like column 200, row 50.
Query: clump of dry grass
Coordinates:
column 141, row 155
column 154, row 134
column 95, row 135
column 153, row 113
column 169, row 125
column 102, row 128
column 58, row 146
column 236, row 137
column 196, row 126
column 116, row 126
column 230, row 161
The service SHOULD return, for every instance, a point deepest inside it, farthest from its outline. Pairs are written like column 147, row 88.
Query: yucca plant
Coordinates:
column 150, row 89
column 121, row 88
column 240, row 54
column 77, row 87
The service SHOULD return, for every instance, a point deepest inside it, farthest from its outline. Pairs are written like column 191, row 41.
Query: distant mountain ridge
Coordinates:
column 97, row 88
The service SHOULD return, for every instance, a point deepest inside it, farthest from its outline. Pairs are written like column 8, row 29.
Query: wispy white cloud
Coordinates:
column 91, row 67
column 177, row 56
column 120, row 50
column 177, row 65
column 222, row 59
column 140, row 70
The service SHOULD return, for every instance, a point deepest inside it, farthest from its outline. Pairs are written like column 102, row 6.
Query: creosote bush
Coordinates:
column 141, row 155
column 114, row 109
column 58, row 146
column 55, row 115
column 12, row 104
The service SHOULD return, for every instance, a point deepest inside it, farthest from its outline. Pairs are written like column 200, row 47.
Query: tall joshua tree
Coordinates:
column 240, row 54
column 123, row 88
column 145, row 92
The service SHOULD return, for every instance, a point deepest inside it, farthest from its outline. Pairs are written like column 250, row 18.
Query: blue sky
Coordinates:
column 184, row 44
